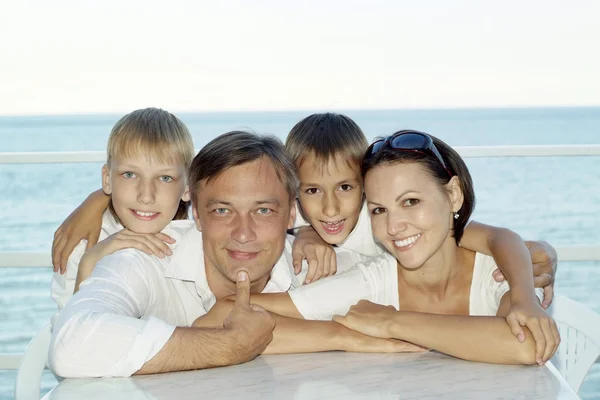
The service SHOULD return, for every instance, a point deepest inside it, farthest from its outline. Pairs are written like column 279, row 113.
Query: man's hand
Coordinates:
column 544, row 260
column 250, row 324
column 542, row 327
column 319, row 255
column 83, row 223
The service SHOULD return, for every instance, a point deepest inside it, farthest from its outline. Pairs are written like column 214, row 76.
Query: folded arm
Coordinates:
column 102, row 331
column 295, row 335
column 484, row 339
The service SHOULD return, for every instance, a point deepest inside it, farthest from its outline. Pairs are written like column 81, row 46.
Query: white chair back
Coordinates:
column 579, row 349
column 33, row 363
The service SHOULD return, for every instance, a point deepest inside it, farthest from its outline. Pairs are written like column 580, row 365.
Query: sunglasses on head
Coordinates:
column 408, row 140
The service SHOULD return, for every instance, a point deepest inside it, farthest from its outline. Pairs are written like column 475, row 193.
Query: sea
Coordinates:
column 556, row 199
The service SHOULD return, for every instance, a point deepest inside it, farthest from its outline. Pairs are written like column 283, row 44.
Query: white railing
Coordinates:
column 42, row 259
column 465, row 151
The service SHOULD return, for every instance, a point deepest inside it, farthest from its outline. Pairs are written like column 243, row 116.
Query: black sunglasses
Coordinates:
column 408, row 140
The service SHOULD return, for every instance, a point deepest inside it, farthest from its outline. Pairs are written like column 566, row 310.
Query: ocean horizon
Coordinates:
column 556, row 199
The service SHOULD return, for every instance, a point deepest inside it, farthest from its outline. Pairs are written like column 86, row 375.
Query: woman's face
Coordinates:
column 410, row 212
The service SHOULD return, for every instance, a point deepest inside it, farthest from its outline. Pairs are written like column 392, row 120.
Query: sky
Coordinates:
column 113, row 56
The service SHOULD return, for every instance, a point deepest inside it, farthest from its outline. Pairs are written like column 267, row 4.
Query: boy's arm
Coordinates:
column 513, row 258
column 319, row 255
column 509, row 252
column 84, row 222
column 544, row 259
column 149, row 243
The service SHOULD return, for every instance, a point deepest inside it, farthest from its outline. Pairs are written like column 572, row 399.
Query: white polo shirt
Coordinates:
column 376, row 280
column 125, row 312
column 360, row 240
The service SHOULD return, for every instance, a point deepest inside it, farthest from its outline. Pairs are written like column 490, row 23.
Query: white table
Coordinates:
column 333, row 375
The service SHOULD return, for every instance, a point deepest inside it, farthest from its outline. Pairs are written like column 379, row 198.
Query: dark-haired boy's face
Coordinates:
column 411, row 214
column 243, row 215
column 331, row 196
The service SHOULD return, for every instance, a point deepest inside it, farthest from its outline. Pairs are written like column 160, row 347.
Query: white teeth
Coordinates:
column 144, row 214
column 332, row 223
column 407, row 241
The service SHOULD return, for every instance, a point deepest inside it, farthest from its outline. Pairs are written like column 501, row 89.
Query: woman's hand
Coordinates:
column 368, row 318
column 542, row 327
column 319, row 255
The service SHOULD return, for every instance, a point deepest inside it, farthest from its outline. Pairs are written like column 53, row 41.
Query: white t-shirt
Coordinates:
column 360, row 240
column 376, row 280
column 126, row 311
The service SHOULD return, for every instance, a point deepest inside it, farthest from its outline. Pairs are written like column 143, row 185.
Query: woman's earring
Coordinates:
column 456, row 215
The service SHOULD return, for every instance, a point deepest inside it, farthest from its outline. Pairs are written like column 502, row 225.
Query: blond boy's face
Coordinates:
column 331, row 196
column 145, row 193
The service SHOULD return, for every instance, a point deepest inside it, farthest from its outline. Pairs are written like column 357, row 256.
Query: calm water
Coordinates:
column 556, row 199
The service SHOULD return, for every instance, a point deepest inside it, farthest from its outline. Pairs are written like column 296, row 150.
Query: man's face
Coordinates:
column 243, row 215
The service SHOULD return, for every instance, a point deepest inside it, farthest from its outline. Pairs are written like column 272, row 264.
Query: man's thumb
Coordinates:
column 242, row 294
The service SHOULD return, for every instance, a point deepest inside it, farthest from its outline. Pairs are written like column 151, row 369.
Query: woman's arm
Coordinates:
column 293, row 335
column 484, row 339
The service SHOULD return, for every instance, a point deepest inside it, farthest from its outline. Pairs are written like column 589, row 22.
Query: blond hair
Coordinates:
column 158, row 135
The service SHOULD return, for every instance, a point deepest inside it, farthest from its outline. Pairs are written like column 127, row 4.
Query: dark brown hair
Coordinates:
column 325, row 136
column 454, row 163
column 236, row 148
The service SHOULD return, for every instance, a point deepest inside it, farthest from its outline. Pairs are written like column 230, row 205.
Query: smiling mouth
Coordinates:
column 407, row 243
column 333, row 228
column 242, row 255
column 145, row 215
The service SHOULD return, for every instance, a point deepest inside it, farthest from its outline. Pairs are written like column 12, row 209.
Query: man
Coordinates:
column 133, row 315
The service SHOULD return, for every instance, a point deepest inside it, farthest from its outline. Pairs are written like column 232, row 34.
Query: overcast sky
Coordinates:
column 115, row 55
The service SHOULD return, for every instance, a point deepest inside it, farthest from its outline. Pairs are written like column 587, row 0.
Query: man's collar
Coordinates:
column 282, row 276
column 187, row 262
column 188, row 256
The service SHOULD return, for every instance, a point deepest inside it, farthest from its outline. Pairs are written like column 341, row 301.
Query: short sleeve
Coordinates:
column 375, row 280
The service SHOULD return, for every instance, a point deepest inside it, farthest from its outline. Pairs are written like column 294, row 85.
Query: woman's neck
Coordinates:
column 441, row 272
